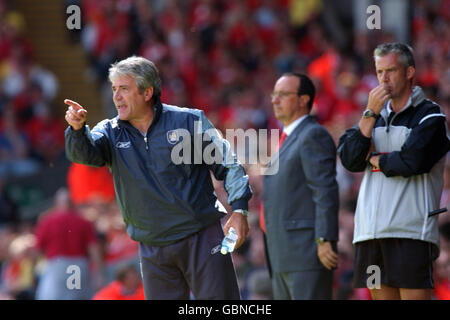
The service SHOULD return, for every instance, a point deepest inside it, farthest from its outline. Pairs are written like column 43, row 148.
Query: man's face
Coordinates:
column 286, row 102
column 130, row 104
column 393, row 75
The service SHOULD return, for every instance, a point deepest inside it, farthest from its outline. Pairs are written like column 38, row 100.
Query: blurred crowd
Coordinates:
column 29, row 134
column 221, row 56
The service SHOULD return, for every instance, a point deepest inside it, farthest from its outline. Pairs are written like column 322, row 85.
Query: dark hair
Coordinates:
column 404, row 52
column 306, row 86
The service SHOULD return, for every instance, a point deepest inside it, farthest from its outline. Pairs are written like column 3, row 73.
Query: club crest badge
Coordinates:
column 172, row 136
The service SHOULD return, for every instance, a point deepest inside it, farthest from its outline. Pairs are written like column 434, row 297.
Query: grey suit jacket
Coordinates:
column 301, row 200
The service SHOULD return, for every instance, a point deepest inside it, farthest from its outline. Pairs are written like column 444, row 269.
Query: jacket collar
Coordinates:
column 301, row 125
column 157, row 108
column 417, row 96
column 290, row 139
column 296, row 132
column 291, row 127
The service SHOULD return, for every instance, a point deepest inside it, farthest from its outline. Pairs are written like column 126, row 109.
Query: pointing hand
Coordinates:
column 75, row 115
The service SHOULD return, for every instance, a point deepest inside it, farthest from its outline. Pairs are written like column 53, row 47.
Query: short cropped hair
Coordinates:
column 306, row 86
column 142, row 70
column 405, row 53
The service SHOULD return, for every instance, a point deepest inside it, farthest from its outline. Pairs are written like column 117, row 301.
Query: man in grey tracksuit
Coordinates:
column 400, row 143
column 161, row 157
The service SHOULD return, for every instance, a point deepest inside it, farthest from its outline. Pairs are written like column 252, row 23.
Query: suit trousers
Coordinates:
column 303, row 285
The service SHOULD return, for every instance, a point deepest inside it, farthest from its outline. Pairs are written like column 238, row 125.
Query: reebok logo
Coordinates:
column 123, row 145
column 216, row 249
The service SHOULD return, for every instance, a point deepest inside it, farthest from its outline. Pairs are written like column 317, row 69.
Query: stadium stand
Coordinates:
column 221, row 56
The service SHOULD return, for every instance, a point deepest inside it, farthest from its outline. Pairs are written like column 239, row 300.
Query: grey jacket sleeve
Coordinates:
column 88, row 147
column 318, row 157
column 219, row 158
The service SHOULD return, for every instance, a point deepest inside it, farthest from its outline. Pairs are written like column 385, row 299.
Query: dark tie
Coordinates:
column 261, row 211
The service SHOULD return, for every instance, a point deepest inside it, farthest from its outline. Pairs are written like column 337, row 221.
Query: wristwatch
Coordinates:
column 242, row 211
column 371, row 155
column 320, row 241
column 369, row 113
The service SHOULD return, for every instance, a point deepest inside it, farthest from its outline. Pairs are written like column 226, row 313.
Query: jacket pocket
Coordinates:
column 298, row 224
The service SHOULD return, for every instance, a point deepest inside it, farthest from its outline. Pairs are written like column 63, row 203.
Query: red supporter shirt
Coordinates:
column 114, row 291
column 120, row 246
column 87, row 183
column 442, row 290
column 64, row 233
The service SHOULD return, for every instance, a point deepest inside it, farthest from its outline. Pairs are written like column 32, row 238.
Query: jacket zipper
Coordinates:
column 389, row 122
column 388, row 138
column 394, row 116
column 146, row 144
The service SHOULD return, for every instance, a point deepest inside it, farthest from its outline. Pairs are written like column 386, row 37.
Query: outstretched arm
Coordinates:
column 82, row 145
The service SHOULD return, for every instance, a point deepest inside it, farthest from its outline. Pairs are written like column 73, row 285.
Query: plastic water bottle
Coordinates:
column 229, row 242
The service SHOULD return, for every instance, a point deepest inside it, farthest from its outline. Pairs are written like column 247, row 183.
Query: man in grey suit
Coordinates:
column 301, row 200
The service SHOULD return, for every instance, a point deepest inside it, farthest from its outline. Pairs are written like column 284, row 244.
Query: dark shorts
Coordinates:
column 403, row 263
column 193, row 265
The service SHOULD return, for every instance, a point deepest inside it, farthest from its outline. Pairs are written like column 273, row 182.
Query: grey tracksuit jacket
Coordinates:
column 164, row 194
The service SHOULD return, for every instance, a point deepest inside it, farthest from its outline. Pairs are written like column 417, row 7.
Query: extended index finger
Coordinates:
column 74, row 104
